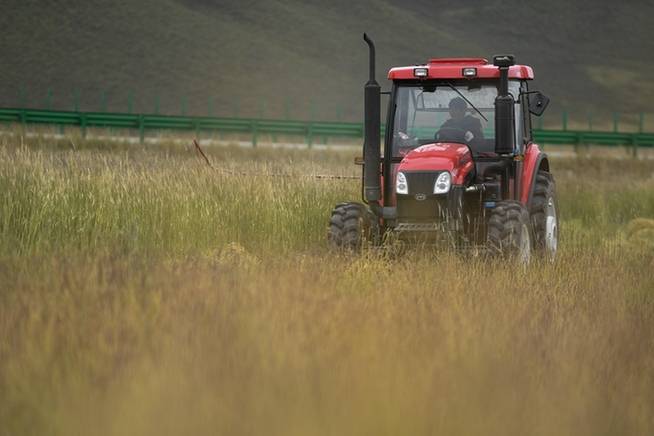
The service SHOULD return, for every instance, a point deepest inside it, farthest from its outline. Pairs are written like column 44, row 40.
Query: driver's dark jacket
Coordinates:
column 467, row 123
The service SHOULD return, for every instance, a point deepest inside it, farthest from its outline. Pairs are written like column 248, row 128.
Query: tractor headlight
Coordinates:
column 469, row 72
column 421, row 72
column 443, row 183
column 401, row 186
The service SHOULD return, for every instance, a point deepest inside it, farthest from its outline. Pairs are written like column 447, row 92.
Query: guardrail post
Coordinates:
column 312, row 118
column 76, row 100
column 312, row 111
column 104, row 101
column 210, row 113
column 564, row 120
column 82, row 122
column 210, row 107
column 141, row 129
column 616, row 120
column 22, row 96
column 255, row 133
column 262, row 109
column 590, row 121
column 236, row 108
column 130, row 102
column 634, row 146
column 310, row 134
column 48, row 99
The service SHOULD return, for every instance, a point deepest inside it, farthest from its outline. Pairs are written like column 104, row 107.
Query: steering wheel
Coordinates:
column 451, row 134
column 404, row 142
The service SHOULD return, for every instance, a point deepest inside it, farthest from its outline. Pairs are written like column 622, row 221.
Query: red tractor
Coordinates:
column 459, row 163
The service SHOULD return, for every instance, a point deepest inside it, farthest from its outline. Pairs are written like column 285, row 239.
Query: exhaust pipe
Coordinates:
column 504, row 113
column 371, row 143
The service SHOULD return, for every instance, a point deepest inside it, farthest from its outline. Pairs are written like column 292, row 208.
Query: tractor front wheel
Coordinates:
column 509, row 233
column 352, row 226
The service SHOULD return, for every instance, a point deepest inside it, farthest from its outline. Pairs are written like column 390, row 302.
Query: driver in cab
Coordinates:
column 467, row 125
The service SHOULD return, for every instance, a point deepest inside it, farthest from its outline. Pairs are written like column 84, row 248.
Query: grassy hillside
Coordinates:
column 287, row 57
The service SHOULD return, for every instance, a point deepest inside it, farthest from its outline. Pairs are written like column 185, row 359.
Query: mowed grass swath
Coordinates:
column 145, row 293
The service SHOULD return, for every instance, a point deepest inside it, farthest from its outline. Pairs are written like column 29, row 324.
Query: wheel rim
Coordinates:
column 551, row 229
column 524, row 253
column 363, row 233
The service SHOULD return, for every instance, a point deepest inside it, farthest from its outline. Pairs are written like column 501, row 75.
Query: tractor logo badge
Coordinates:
column 420, row 197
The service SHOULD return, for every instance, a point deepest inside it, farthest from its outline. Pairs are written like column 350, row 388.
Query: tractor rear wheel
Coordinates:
column 544, row 215
column 509, row 233
column 352, row 226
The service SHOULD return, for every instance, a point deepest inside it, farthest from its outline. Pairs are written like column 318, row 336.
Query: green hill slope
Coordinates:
column 287, row 57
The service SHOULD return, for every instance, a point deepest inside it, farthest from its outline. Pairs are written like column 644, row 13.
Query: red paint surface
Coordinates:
column 456, row 159
column 393, row 200
column 464, row 61
column 528, row 169
column 453, row 157
column 452, row 68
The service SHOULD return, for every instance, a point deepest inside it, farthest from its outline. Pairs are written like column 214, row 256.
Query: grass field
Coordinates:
column 142, row 292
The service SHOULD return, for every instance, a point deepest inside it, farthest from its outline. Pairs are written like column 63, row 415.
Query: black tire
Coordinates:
column 352, row 226
column 509, row 233
column 544, row 215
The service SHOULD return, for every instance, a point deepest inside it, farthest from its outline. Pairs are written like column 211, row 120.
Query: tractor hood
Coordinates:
column 453, row 157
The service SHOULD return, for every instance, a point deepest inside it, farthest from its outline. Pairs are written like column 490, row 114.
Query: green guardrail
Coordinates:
column 144, row 122
column 255, row 127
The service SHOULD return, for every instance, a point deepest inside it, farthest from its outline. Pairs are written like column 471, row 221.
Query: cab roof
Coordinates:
column 452, row 68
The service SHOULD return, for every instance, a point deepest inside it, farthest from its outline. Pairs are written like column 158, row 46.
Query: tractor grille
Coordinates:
column 411, row 210
column 421, row 182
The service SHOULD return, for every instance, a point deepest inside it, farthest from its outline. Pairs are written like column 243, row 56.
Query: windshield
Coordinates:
column 452, row 112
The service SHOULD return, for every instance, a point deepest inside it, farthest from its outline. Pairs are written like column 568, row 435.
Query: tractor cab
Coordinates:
column 458, row 159
column 446, row 110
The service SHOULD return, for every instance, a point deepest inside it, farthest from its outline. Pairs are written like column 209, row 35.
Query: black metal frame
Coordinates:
column 371, row 185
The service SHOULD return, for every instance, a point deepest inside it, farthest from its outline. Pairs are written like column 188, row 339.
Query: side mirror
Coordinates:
column 538, row 103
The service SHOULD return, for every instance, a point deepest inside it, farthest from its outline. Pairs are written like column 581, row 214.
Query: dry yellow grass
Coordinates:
column 141, row 293
column 429, row 344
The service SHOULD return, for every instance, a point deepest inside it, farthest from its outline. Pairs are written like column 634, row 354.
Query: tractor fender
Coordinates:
column 535, row 160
